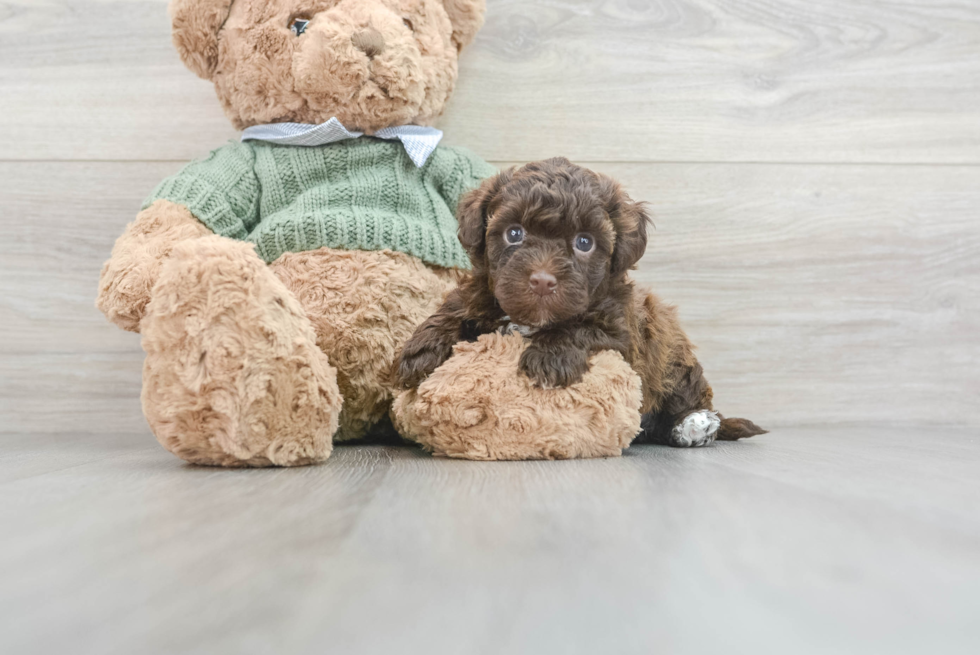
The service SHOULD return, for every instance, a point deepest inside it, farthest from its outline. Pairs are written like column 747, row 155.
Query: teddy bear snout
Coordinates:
column 369, row 41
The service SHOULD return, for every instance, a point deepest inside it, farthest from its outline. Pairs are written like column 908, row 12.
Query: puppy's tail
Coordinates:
column 733, row 429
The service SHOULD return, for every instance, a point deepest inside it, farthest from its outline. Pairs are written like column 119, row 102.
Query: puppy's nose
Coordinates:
column 369, row 41
column 543, row 283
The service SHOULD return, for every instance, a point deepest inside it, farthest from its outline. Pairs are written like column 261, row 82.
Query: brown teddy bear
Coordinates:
column 275, row 282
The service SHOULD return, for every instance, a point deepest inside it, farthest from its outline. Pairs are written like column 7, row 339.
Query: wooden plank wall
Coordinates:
column 813, row 167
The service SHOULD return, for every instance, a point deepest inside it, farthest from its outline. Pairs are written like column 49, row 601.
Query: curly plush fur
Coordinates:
column 251, row 364
column 233, row 376
column 406, row 76
column 476, row 406
column 128, row 277
column 363, row 306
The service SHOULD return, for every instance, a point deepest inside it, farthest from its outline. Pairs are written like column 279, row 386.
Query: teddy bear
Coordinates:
column 274, row 282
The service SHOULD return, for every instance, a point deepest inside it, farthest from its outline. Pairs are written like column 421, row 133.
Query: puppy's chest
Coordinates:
column 507, row 326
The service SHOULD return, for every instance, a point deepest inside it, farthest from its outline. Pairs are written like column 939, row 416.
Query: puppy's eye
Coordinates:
column 298, row 25
column 584, row 243
column 514, row 234
column 408, row 24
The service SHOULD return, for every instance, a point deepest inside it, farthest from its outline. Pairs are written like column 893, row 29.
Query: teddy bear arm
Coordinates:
column 134, row 266
column 217, row 194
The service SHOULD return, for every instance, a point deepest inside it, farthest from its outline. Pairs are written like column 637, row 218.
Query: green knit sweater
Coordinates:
column 363, row 194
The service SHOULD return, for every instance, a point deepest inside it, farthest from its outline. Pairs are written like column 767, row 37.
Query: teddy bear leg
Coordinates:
column 364, row 306
column 232, row 375
column 478, row 406
column 129, row 274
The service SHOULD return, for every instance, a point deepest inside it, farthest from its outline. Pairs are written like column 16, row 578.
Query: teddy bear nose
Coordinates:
column 543, row 283
column 369, row 41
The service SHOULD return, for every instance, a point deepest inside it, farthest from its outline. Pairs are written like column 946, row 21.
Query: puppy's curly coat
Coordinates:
column 551, row 245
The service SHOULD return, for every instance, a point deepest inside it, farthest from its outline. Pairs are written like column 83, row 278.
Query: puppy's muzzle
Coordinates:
column 543, row 283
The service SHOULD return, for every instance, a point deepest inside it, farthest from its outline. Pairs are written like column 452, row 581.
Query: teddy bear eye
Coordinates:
column 408, row 24
column 298, row 25
column 584, row 242
column 514, row 234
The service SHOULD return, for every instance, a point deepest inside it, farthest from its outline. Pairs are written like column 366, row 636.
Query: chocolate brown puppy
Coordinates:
column 551, row 245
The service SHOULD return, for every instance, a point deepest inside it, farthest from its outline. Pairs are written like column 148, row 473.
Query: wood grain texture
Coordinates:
column 595, row 80
column 816, row 294
column 809, row 541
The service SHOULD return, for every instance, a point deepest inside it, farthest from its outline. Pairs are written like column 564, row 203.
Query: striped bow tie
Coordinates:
column 419, row 142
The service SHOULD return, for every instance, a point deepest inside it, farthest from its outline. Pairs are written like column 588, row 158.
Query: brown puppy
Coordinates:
column 551, row 245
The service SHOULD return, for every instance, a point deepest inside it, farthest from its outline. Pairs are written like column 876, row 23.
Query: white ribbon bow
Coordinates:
column 419, row 142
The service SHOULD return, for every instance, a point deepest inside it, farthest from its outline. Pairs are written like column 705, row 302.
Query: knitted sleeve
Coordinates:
column 222, row 190
column 467, row 173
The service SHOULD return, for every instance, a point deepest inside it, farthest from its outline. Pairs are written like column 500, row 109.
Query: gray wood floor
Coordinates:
column 814, row 172
column 810, row 541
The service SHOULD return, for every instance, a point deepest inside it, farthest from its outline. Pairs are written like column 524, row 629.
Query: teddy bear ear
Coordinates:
column 467, row 19
column 196, row 24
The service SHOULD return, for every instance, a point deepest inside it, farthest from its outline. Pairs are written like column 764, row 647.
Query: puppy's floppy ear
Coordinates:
column 195, row 32
column 467, row 19
column 630, row 220
column 472, row 214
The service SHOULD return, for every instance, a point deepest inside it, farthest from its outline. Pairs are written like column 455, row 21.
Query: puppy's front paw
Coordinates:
column 552, row 369
column 697, row 429
column 418, row 363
